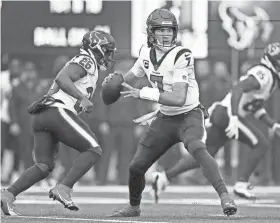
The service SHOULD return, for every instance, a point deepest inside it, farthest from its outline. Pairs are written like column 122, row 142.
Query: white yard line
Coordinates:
column 190, row 201
column 171, row 189
column 86, row 219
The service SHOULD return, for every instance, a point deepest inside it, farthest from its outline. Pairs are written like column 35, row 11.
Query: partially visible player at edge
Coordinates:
column 68, row 96
column 228, row 120
column 170, row 70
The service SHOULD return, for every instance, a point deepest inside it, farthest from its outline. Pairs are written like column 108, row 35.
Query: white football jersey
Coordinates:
column 86, row 85
column 177, row 65
column 252, row 101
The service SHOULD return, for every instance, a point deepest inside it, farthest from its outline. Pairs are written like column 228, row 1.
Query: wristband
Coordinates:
column 151, row 94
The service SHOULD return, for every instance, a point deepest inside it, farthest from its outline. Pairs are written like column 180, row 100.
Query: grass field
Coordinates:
column 178, row 204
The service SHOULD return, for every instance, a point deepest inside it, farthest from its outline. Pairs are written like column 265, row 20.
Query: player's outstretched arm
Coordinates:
column 175, row 98
column 264, row 117
column 66, row 78
column 133, row 75
column 130, row 78
column 247, row 85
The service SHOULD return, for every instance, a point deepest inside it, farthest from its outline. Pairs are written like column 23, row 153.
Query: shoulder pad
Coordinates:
column 142, row 49
column 180, row 53
column 85, row 61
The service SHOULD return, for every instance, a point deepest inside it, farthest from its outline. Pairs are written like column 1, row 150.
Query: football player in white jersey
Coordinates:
column 228, row 120
column 55, row 120
column 170, row 70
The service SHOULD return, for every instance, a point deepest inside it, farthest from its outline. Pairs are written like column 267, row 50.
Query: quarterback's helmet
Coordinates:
column 102, row 45
column 272, row 56
column 161, row 18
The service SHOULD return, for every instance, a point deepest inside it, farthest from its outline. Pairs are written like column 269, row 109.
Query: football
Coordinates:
column 111, row 88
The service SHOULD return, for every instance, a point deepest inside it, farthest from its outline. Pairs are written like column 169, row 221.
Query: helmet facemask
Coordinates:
column 162, row 41
column 105, row 57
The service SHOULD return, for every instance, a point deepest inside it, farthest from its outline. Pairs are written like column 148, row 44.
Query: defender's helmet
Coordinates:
column 160, row 18
column 272, row 56
column 102, row 46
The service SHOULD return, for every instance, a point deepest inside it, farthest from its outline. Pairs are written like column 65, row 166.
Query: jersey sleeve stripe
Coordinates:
column 180, row 53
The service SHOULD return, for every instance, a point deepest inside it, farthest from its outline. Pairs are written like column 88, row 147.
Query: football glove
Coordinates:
column 232, row 128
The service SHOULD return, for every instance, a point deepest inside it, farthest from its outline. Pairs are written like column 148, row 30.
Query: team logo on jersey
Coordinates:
column 146, row 64
column 244, row 29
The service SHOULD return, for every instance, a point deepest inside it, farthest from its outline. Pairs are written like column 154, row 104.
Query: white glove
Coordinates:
column 232, row 129
column 276, row 129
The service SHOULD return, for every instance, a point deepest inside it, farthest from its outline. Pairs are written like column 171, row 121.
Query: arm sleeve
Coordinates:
column 183, row 68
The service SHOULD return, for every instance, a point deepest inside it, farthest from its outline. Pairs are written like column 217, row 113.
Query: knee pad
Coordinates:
column 46, row 169
column 194, row 145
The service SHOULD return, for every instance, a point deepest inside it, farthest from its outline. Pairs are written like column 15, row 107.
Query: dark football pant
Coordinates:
column 249, row 134
column 54, row 125
column 164, row 132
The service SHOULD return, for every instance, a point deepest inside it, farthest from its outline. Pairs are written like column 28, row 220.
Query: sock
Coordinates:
column 28, row 178
column 210, row 170
column 184, row 164
column 81, row 166
column 136, row 187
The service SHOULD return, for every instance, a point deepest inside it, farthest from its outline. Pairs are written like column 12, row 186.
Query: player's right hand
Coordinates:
column 232, row 128
column 86, row 105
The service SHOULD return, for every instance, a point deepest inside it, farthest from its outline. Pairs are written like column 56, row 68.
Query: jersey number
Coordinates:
column 86, row 63
column 158, row 80
column 254, row 105
column 77, row 106
column 188, row 58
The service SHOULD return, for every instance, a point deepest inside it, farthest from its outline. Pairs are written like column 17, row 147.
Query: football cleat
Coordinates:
column 159, row 183
column 62, row 194
column 7, row 203
column 228, row 205
column 129, row 211
column 244, row 190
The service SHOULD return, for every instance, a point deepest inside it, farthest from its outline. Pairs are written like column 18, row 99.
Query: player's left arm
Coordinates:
column 263, row 116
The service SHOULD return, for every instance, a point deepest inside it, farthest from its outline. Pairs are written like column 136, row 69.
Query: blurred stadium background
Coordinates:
column 38, row 38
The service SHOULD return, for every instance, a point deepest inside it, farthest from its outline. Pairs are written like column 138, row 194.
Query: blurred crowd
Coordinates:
column 22, row 83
